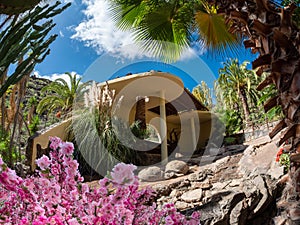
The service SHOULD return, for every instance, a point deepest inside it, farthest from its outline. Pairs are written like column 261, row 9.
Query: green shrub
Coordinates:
column 34, row 125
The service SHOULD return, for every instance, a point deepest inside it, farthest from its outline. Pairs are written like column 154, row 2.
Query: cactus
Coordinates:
column 24, row 42
column 27, row 38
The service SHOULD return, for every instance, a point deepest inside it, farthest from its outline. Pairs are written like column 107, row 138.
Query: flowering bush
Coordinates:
column 283, row 158
column 56, row 195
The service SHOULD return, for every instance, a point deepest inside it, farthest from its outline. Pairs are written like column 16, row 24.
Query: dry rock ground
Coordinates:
column 240, row 187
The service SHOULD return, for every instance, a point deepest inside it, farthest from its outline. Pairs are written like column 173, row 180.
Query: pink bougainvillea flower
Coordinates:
column 67, row 148
column 55, row 142
column 58, row 196
column 123, row 173
column 43, row 162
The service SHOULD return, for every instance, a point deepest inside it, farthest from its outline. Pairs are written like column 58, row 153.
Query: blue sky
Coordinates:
column 85, row 34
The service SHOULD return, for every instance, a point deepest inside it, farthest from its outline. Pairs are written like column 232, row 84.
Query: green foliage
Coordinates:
column 59, row 95
column 4, row 146
column 34, row 125
column 99, row 141
column 167, row 28
column 237, row 95
column 235, row 78
column 276, row 112
column 229, row 140
column 103, row 140
column 26, row 38
column 284, row 160
column 32, row 101
column 232, row 120
column 138, row 131
column 203, row 93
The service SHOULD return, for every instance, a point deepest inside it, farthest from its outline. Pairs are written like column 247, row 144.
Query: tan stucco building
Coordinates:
column 160, row 100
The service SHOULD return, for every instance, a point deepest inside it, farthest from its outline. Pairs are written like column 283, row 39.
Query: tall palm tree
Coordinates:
column 271, row 30
column 274, row 34
column 235, row 84
column 60, row 95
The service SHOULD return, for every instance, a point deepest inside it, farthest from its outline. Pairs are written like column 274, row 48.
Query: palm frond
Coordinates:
column 214, row 32
column 128, row 15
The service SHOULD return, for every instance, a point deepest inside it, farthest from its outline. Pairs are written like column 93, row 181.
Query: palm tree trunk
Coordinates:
column 11, row 142
column 243, row 98
column 273, row 34
column 140, row 114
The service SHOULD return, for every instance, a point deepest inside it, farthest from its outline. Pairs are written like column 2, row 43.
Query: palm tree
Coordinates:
column 235, row 83
column 160, row 25
column 203, row 93
column 60, row 95
column 272, row 31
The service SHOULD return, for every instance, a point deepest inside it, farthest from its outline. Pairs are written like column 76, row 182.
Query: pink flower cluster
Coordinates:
column 57, row 195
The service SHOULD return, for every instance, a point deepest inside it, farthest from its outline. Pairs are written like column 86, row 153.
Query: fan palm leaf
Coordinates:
column 214, row 32
column 167, row 28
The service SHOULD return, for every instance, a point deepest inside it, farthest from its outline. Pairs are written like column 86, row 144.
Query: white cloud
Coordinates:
column 55, row 76
column 61, row 34
column 101, row 33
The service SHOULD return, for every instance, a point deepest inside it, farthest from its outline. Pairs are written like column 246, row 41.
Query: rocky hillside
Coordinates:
column 34, row 87
column 241, row 187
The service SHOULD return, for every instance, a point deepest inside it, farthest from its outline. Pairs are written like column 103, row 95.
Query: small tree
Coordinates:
column 203, row 93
